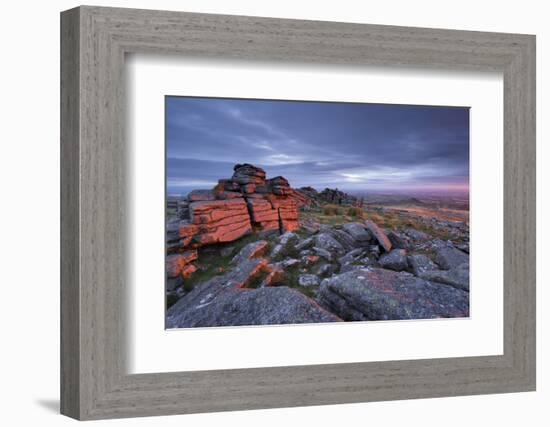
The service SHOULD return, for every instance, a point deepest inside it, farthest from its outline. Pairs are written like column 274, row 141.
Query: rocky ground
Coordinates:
column 337, row 262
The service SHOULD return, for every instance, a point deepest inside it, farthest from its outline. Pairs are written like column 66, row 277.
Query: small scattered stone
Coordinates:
column 276, row 275
column 374, row 250
column 308, row 280
column 323, row 253
column 351, row 256
column 325, row 270
column 289, row 262
column 173, row 283
column 310, row 260
column 176, row 263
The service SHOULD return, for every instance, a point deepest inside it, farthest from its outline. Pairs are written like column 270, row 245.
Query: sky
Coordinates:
column 355, row 147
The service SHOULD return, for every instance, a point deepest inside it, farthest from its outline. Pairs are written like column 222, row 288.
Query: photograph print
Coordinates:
column 292, row 212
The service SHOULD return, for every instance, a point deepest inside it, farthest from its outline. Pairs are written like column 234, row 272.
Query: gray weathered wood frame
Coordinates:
column 94, row 41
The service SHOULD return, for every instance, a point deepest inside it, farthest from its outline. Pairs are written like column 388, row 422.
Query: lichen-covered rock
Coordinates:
column 379, row 235
column 358, row 232
column 173, row 239
column 351, row 256
column 345, row 239
column 398, row 240
column 284, row 245
column 176, row 263
column 219, row 221
column 172, row 283
column 420, row 263
column 276, row 275
column 223, row 195
column 188, row 270
column 305, row 244
column 374, row 251
column 246, row 173
column 416, row 235
column 464, row 247
column 448, row 257
column 327, row 242
column 212, row 305
column 289, row 262
column 379, row 294
column 233, row 208
column 263, row 214
column 459, row 276
column 325, row 270
column 288, row 212
column 309, row 260
column 308, row 280
column 324, row 254
column 201, row 195
column 252, row 250
column 395, row 260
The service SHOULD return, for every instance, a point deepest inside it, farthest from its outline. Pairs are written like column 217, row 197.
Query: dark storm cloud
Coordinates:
column 357, row 147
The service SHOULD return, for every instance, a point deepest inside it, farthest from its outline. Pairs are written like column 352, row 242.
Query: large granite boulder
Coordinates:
column 358, row 232
column 379, row 294
column 213, row 304
column 329, row 243
column 344, row 238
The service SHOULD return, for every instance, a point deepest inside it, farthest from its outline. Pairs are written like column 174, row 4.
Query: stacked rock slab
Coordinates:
column 271, row 202
column 218, row 221
column 236, row 206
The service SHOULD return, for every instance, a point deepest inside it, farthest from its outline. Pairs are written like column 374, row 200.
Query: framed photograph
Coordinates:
column 262, row 213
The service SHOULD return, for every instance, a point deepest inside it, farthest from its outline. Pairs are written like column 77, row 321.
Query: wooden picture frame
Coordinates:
column 94, row 41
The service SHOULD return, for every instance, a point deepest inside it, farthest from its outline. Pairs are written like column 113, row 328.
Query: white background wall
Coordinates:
column 29, row 233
